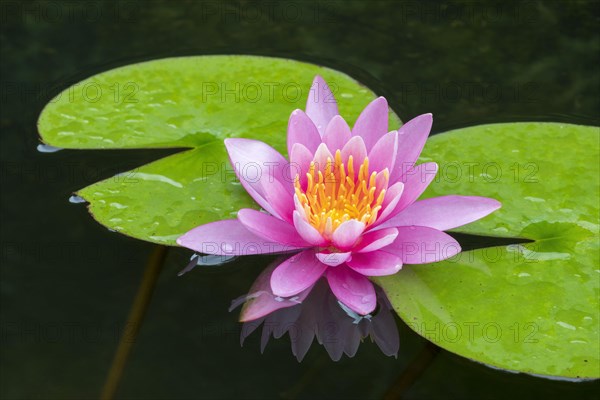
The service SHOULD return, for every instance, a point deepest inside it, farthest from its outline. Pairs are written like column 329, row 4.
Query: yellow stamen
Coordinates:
column 336, row 194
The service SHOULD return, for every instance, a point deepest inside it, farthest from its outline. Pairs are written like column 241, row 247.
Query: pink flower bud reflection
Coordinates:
column 316, row 313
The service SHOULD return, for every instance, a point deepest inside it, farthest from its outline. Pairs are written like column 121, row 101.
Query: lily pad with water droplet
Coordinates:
column 187, row 102
column 531, row 307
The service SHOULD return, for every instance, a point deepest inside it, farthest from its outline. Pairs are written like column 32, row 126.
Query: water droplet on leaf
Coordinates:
column 76, row 199
column 46, row 148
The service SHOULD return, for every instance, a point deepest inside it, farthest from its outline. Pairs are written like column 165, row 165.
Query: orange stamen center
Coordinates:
column 337, row 194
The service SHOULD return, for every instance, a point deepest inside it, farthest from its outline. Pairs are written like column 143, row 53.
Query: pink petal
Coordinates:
column 421, row 245
column 307, row 231
column 321, row 106
column 278, row 199
column 333, row 259
column 261, row 301
column 375, row 240
column 257, row 165
column 300, row 159
column 390, row 203
column 352, row 289
column 302, row 130
column 337, row 134
column 416, row 180
column 376, row 263
column 270, row 228
column 372, row 123
column 415, row 183
column 247, row 151
column 347, row 234
column 411, row 139
column 397, row 189
column 298, row 207
column 296, row 274
column 229, row 237
column 322, row 155
column 383, row 154
column 445, row 212
column 382, row 182
column 355, row 148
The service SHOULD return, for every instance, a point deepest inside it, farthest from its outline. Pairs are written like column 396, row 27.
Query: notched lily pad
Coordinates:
column 530, row 307
column 192, row 102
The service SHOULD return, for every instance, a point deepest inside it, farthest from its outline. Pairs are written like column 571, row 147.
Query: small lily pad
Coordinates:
column 529, row 307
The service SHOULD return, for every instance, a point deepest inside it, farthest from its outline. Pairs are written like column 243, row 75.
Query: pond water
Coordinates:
column 67, row 283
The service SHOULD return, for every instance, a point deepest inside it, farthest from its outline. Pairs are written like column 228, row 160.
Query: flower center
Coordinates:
column 337, row 194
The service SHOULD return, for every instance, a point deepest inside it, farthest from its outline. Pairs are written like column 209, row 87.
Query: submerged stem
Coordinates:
column 414, row 370
column 134, row 321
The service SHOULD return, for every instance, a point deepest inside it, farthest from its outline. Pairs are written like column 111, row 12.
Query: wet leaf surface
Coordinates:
column 193, row 102
column 530, row 307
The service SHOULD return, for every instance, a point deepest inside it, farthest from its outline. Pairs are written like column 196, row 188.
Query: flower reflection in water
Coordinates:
column 315, row 314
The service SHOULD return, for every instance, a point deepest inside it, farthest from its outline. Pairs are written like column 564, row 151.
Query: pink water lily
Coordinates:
column 344, row 204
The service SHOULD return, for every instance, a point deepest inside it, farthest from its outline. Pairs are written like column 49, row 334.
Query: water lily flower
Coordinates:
column 317, row 315
column 344, row 204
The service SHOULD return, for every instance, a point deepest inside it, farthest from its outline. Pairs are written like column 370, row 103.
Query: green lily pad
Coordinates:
column 187, row 102
column 531, row 307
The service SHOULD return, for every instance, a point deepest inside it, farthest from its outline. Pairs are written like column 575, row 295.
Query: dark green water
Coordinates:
column 67, row 283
